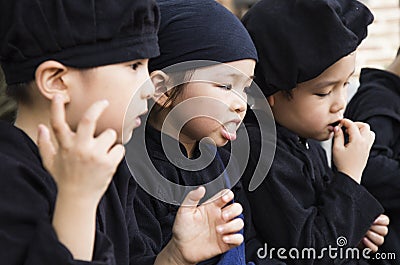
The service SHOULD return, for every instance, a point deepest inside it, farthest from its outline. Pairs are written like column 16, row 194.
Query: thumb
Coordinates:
column 192, row 199
column 338, row 142
column 46, row 148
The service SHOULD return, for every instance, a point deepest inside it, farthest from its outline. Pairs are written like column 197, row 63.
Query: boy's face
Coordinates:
column 214, row 102
column 124, row 84
column 316, row 104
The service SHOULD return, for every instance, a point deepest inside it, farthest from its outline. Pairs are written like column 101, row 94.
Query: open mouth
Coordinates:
column 334, row 124
column 229, row 130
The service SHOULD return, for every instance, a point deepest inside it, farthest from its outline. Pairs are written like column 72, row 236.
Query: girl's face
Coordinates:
column 123, row 85
column 214, row 102
column 316, row 105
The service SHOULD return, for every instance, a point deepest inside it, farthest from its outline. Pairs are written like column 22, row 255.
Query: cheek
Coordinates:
column 201, row 127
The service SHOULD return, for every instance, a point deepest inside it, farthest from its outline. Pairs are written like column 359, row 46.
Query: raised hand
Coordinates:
column 82, row 166
column 351, row 158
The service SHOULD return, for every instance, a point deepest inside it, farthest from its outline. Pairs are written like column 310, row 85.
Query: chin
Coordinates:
column 323, row 137
column 217, row 142
column 126, row 137
column 222, row 143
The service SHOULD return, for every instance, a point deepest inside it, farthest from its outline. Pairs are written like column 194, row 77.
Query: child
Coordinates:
column 306, row 50
column 208, row 100
column 64, row 61
column 377, row 102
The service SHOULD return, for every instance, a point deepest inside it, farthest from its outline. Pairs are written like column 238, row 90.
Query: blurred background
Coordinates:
column 378, row 50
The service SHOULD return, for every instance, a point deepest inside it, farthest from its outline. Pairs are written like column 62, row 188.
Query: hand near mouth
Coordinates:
column 351, row 158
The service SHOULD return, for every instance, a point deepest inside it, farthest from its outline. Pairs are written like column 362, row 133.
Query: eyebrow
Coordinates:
column 331, row 83
column 235, row 75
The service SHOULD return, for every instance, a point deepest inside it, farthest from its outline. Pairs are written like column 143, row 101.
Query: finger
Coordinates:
column 338, row 142
column 232, row 211
column 221, row 198
column 234, row 240
column 368, row 244
column 58, row 122
column 362, row 126
column 380, row 229
column 352, row 129
column 382, row 220
column 192, row 199
column 87, row 125
column 375, row 238
column 45, row 146
column 116, row 154
column 372, row 137
column 106, row 140
column 231, row 227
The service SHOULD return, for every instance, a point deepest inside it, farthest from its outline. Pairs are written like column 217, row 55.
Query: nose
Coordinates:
column 148, row 89
column 238, row 103
column 340, row 101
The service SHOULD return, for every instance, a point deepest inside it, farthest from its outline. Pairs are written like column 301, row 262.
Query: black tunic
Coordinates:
column 302, row 203
column 377, row 102
column 156, row 218
column 27, row 198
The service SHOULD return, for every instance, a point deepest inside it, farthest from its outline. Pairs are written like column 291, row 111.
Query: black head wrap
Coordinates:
column 79, row 34
column 200, row 30
column 297, row 40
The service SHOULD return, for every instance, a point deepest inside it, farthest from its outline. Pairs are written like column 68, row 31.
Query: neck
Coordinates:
column 28, row 119
column 157, row 121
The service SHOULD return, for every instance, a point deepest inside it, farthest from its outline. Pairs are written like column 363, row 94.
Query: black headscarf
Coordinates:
column 79, row 34
column 297, row 40
column 200, row 30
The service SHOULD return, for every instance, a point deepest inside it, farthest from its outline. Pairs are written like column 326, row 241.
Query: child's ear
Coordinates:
column 50, row 81
column 160, row 80
column 271, row 100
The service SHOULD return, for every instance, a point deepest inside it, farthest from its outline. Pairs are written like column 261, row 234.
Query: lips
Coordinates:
column 228, row 130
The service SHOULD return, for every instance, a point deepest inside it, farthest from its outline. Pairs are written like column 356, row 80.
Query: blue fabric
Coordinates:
column 235, row 256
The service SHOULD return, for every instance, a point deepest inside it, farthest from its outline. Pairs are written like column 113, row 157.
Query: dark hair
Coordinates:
column 178, row 81
column 7, row 105
column 288, row 94
column 18, row 92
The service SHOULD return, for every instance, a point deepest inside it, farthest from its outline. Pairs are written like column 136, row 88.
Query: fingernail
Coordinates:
column 105, row 102
column 226, row 239
column 220, row 229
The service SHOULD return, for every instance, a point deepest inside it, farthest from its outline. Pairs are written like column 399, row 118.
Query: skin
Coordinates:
column 77, row 119
column 312, row 111
column 213, row 108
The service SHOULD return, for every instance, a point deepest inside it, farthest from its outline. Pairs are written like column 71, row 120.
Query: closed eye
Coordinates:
column 135, row 66
column 225, row 86
column 323, row 94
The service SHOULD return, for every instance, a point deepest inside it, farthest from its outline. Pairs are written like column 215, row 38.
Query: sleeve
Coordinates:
column 26, row 233
column 287, row 211
column 382, row 174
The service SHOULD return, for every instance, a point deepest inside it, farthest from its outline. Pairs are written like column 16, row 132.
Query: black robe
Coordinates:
column 302, row 203
column 156, row 218
column 27, row 198
column 377, row 102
